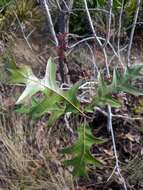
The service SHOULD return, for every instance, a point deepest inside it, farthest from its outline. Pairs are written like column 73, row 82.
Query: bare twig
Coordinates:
column 89, row 18
column 66, row 5
column 118, row 115
column 132, row 32
column 95, row 67
column 81, row 41
column 22, row 30
column 91, row 9
column 119, row 32
column 110, row 127
column 94, row 33
column 109, row 23
column 117, row 166
column 28, row 36
column 51, row 23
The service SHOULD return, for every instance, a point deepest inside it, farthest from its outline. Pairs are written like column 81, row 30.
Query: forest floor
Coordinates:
column 42, row 168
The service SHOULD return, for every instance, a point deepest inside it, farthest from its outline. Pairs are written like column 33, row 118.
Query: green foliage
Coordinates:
column 79, row 22
column 24, row 11
column 27, row 12
column 138, row 109
column 7, row 60
column 80, row 25
column 81, row 151
column 42, row 96
column 130, row 8
column 91, row 3
column 55, row 101
column 121, row 82
column 4, row 2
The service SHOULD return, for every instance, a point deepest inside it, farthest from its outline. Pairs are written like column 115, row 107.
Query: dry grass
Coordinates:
column 26, row 163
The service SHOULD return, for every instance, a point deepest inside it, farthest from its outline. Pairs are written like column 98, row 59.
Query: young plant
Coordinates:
column 57, row 102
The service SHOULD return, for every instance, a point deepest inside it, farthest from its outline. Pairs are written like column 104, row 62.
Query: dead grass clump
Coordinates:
column 28, row 164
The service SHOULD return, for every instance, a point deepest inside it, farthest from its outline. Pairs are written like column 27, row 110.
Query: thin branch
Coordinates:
column 132, row 32
column 117, row 166
column 109, row 125
column 119, row 32
column 66, row 5
column 89, row 18
column 95, row 67
column 22, row 30
column 81, row 41
column 109, row 23
column 121, row 50
column 91, row 9
column 118, row 115
column 58, row 5
column 30, row 33
column 94, row 33
column 51, row 23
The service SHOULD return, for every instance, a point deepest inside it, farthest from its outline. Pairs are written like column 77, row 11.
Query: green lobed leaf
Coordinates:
column 56, row 96
column 131, row 90
column 121, row 82
column 81, row 152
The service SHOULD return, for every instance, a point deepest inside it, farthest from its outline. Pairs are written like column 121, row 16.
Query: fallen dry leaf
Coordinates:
column 108, row 152
column 130, row 137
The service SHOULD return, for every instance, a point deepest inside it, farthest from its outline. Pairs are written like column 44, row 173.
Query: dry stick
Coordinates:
column 66, row 5
column 92, row 38
column 132, row 32
column 118, row 115
column 95, row 67
column 117, row 166
column 58, row 43
column 119, row 32
column 81, row 41
column 90, row 9
column 24, row 36
column 109, row 31
column 51, row 23
column 58, row 5
column 89, row 18
column 94, row 33
column 112, row 58
column 109, row 23
column 109, row 107
column 110, row 126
